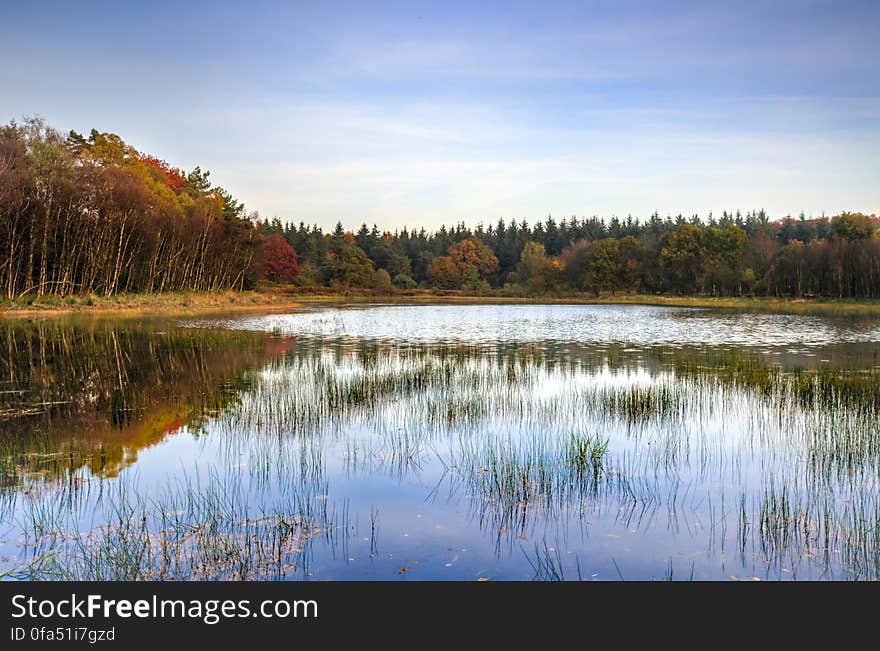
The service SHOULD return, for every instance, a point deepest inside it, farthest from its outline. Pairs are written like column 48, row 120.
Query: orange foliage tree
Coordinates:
column 469, row 263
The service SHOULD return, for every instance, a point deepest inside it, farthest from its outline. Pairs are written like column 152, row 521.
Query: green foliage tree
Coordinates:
column 682, row 257
column 724, row 255
column 346, row 265
column 381, row 282
column 629, row 272
column 603, row 262
column 404, row 281
column 535, row 270
column 852, row 226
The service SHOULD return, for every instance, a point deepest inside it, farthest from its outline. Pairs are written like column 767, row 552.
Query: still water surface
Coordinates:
column 442, row 442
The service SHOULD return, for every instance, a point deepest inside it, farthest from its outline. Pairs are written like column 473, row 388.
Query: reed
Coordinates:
column 533, row 442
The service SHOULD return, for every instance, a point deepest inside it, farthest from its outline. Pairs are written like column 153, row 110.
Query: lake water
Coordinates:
column 394, row 442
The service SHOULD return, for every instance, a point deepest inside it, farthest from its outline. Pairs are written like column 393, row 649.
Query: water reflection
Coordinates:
column 641, row 325
column 95, row 393
column 342, row 456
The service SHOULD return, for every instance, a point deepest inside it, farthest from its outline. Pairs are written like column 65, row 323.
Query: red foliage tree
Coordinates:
column 171, row 176
column 280, row 261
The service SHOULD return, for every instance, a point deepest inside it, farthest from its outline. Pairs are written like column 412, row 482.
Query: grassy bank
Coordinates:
column 855, row 307
column 168, row 304
column 192, row 303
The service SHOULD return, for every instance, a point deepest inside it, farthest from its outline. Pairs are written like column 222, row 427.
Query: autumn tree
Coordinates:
column 787, row 273
column 91, row 214
column 573, row 264
column 476, row 263
column 474, row 252
column 443, row 273
column 94, row 215
column 280, row 261
column 158, row 169
column 763, row 247
column 16, row 187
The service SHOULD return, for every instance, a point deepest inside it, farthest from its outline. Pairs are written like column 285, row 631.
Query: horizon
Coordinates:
column 413, row 116
column 479, row 226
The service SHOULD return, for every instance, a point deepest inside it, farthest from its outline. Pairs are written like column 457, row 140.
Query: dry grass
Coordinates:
column 192, row 303
column 168, row 304
column 853, row 307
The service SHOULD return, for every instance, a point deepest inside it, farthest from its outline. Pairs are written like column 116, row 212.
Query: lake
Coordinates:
column 442, row 442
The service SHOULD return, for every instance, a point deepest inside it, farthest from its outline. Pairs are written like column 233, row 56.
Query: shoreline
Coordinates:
column 202, row 303
column 173, row 304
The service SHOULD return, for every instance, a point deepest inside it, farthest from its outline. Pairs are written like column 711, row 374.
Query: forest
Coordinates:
column 92, row 215
column 733, row 255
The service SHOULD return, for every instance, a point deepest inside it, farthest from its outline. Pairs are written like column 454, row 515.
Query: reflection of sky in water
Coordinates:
column 396, row 462
column 637, row 324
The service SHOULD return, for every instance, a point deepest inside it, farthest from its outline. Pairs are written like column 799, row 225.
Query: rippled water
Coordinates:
column 443, row 442
column 642, row 325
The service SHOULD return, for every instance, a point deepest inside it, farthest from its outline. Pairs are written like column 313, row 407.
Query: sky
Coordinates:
column 416, row 114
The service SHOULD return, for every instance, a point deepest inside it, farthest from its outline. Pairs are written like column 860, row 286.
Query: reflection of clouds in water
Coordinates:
column 634, row 324
column 481, row 450
column 556, row 384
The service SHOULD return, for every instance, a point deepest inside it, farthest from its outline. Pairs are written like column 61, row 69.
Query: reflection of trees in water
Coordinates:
column 518, row 430
column 92, row 394
column 814, row 430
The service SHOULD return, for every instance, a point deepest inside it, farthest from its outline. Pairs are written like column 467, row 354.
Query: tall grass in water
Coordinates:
column 655, row 441
column 193, row 530
column 509, row 480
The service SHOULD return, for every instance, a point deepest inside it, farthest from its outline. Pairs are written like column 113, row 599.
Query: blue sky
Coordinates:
column 420, row 113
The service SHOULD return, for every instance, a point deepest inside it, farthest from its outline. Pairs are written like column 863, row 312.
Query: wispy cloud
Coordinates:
column 416, row 113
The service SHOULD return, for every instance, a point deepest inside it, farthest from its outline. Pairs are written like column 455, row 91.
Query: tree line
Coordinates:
column 731, row 255
column 92, row 215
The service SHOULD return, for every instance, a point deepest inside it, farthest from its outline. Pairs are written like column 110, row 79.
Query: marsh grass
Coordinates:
column 209, row 535
column 546, row 562
column 509, row 482
column 790, row 528
column 529, row 436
